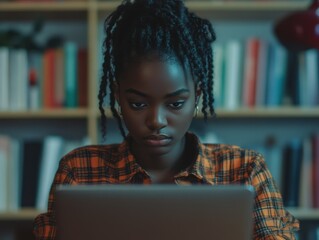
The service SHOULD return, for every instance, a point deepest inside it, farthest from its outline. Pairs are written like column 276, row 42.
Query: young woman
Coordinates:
column 157, row 64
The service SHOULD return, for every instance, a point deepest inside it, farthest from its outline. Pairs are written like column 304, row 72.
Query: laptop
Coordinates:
column 154, row 212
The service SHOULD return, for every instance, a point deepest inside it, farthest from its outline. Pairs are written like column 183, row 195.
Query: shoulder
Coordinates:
column 232, row 163
column 223, row 152
column 92, row 154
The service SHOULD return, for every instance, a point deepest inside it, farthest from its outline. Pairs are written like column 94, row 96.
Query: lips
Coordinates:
column 158, row 140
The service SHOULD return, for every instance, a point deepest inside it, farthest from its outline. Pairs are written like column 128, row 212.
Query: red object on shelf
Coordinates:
column 300, row 30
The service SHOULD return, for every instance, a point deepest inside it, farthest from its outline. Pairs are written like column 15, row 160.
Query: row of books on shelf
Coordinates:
column 53, row 78
column 260, row 73
column 295, row 169
column 27, row 169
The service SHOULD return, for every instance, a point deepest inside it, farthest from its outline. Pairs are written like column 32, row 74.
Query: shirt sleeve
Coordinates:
column 271, row 220
column 44, row 226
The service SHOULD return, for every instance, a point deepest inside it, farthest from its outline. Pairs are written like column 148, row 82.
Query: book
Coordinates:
column 311, row 80
column 305, row 191
column 31, row 152
column 82, row 77
column 250, row 72
column 275, row 161
column 218, row 88
column 70, row 77
column 48, row 78
column 4, row 78
column 262, row 71
column 21, row 90
column 35, row 80
column 291, row 90
column 315, row 170
column 59, row 91
column 291, row 173
column 13, row 79
column 301, row 90
column 14, row 175
column 50, row 157
column 4, row 151
column 276, row 79
column 233, row 55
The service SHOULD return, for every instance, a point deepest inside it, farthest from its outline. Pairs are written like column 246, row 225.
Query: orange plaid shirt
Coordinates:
column 215, row 164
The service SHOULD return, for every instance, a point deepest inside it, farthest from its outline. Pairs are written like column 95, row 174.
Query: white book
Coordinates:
column 13, row 79
column 52, row 153
column 4, row 78
column 14, row 175
column 305, row 188
column 218, row 53
column 4, row 147
column 23, row 79
column 233, row 60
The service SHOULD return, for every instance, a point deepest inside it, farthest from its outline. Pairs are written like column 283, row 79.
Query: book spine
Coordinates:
column 71, row 91
column 315, row 170
column 262, row 74
column 59, row 91
column 52, row 151
column 4, row 78
column 232, row 74
column 292, row 163
column 250, row 74
column 49, row 77
column 32, row 150
column 82, row 77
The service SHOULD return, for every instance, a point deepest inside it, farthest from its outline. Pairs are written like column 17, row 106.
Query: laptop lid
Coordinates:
column 154, row 212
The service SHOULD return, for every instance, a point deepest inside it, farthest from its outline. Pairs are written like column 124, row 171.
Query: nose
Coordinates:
column 156, row 119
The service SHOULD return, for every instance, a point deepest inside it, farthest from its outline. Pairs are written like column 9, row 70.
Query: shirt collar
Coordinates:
column 200, row 168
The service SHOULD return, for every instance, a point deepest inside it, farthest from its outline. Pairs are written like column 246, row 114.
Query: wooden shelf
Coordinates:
column 43, row 6
column 25, row 214
column 284, row 112
column 304, row 214
column 52, row 113
column 291, row 112
column 56, row 10
column 227, row 5
column 247, row 5
column 230, row 9
column 30, row 214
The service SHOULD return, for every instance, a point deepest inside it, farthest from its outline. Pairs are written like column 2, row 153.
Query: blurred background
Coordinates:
column 266, row 95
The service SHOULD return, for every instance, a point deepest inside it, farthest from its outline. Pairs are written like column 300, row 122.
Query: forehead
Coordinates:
column 156, row 77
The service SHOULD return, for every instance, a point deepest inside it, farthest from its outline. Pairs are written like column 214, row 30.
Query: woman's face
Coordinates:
column 157, row 102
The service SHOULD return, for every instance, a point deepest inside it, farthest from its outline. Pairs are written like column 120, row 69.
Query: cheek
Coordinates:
column 133, row 121
column 183, row 118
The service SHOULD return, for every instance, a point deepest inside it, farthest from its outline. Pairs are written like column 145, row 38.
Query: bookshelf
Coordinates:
column 30, row 214
column 92, row 13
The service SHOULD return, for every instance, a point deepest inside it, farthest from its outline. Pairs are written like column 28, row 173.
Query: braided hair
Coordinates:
column 138, row 27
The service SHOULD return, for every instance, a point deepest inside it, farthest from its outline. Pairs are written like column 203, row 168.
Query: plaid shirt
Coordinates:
column 215, row 164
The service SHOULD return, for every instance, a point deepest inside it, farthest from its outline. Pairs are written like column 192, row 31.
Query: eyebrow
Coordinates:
column 173, row 94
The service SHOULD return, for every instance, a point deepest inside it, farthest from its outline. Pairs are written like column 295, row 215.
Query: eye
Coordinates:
column 137, row 105
column 176, row 105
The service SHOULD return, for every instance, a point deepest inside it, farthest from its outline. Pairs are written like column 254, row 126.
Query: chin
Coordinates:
column 158, row 151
